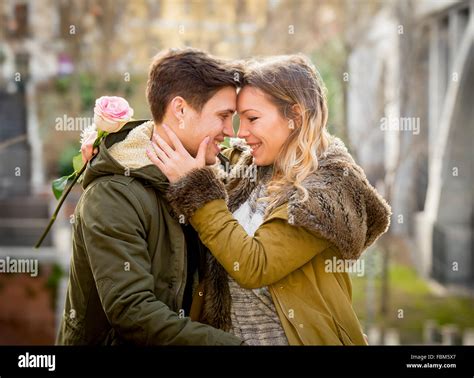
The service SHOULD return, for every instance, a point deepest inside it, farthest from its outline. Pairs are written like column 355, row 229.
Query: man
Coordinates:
column 131, row 277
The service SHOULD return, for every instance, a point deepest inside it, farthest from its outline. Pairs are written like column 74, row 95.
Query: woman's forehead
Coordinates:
column 250, row 97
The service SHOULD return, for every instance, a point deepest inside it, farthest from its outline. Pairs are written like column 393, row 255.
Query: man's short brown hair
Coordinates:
column 190, row 73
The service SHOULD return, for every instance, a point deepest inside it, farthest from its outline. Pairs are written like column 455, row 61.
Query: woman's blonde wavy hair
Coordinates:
column 294, row 86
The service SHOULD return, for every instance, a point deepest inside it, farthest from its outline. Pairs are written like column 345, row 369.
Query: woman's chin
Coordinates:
column 262, row 161
column 259, row 161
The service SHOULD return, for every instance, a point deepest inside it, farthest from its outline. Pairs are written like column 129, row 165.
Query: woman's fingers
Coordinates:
column 155, row 160
column 175, row 163
column 158, row 141
column 201, row 155
column 160, row 153
column 178, row 146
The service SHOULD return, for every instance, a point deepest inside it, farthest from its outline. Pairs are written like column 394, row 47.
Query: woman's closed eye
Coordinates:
column 251, row 119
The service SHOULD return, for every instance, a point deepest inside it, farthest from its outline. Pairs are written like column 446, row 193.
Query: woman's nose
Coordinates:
column 243, row 131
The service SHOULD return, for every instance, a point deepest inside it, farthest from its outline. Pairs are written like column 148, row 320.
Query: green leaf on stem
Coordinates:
column 59, row 185
column 77, row 163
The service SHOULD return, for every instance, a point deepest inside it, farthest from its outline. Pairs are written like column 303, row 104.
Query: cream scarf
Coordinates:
column 131, row 152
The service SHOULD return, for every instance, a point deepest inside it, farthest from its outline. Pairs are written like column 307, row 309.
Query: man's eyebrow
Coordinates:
column 226, row 111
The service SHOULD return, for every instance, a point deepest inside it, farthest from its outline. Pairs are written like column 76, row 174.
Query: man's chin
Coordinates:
column 211, row 159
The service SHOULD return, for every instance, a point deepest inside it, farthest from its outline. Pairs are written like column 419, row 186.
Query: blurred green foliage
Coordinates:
column 329, row 59
column 62, row 84
column 52, row 284
column 65, row 167
column 87, row 89
column 411, row 293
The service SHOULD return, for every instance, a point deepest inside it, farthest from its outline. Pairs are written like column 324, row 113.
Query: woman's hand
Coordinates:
column 87, row 148
column 175, row 162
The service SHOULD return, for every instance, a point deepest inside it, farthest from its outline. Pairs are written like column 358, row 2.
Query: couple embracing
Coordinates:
column 174, row 245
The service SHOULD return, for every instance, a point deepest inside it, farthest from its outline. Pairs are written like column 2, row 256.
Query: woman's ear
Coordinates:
column 297, row 114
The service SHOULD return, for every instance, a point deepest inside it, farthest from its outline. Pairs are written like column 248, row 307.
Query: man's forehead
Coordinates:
column 224, row 101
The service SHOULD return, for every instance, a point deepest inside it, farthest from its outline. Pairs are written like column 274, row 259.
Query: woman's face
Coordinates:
column 261, row 125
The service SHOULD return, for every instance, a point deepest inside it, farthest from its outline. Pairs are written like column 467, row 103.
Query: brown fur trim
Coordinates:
column 342, row 206
column 217, row 299
column 185, row 197
column 194, row 190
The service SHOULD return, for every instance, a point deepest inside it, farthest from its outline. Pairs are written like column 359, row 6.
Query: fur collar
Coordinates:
column 343, row 207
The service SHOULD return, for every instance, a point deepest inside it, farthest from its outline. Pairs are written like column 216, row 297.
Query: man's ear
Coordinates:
column 177, row 106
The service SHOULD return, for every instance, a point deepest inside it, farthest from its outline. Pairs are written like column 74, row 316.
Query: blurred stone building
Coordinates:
column 27, row 310
column 410, row 118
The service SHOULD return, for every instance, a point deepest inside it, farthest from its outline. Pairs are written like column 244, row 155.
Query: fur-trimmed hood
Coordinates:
column 342, row 206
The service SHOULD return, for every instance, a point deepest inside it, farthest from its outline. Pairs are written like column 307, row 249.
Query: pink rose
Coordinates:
column 111, row 113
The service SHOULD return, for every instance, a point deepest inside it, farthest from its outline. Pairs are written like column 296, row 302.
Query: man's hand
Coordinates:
column 174, row 161
column 87, row 148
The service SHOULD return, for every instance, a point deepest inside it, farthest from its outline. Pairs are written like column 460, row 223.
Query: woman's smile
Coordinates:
column 255, row 147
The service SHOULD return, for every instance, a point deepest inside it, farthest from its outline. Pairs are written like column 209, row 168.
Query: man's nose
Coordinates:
column 229, row 128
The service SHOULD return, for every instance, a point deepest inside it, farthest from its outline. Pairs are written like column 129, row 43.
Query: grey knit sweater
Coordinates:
column 253, row 315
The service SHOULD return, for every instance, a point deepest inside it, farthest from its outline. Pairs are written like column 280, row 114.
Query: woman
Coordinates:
column 276, row 236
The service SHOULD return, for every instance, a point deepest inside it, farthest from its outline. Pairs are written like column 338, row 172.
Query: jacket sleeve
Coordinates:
column 276, row 249
column 114, row 235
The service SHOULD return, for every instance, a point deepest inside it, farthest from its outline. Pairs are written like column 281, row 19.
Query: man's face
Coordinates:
column 215, row 116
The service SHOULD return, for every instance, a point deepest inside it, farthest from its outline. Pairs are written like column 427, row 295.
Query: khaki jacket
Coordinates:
column 128, row 266
column 290, row 251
